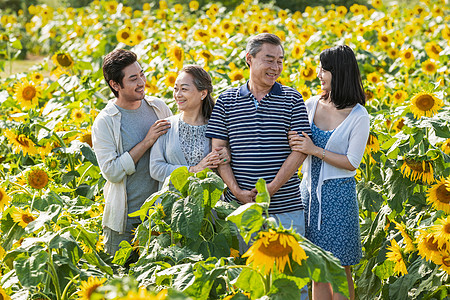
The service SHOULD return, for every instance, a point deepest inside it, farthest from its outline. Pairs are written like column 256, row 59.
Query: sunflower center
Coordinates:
column 446, row 261
column 384, row 39
column 238, row 77
column 407, row 55
column 430, row 67
column 29, row 93
column 178, row 54
column 443, row 195
column 125, row 35
column 398, row 96
column 418, row 166
column 308, row 72
column 432, row 244
column 275, row 249
column 64, row 60
column 23, row 140
column 425, row 102
column 27, row 218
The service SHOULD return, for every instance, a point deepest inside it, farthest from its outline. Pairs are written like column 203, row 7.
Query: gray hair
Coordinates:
column 256, row 42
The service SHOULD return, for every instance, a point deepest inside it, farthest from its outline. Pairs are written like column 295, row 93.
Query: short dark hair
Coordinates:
column 256, row 42
column 346, row 84
column 113, row 65
column 202, row 81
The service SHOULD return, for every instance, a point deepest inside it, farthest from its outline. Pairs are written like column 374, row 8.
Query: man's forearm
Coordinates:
column 289, row 167
column 227, row 175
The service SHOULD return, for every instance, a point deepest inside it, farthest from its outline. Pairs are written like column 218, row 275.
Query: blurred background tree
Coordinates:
column 293, row 5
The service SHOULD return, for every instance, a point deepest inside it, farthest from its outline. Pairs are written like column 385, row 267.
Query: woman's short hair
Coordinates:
column 202, row 81
column 113, row 65
column 346, row 85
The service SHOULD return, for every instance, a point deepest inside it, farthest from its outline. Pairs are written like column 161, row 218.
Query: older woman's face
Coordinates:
column 186, row 94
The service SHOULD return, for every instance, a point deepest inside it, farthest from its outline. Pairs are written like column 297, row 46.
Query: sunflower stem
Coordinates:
column 66, row 289
column 21, row 187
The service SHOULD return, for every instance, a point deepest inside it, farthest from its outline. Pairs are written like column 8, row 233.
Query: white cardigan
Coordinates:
column 349, row 138
column 114, row 163
column 166, row 154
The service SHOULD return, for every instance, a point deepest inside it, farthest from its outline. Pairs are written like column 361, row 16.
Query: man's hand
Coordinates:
column 270, row 189
column 159, row 128
column 245, row 196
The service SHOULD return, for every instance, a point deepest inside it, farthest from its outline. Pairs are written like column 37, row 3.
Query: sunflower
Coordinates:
column 63, row 60
column 37, row 178
column 85, row 247
column 446, row 33
column 305, row 91
column 446, row 147
column 373, row 78
column 308, row 72
column 384, row 39
column 425, row 104
column 206, row 55
column 372, row 145
column 441, row 229
column 86, row 137
column 399, row 96
column 236, row 75
column 417, row 170
column 407, row 56
column 20, row 142
column 27, row 93
column 2, row 254
column 138, row 36
column 124, row 35
column 52, row 163
column 176, row 54
column 111, row 7
column 395, row 255
column 398, row 125
column 428, row 246
column 429, row 67
column 274, row 247
column 227, row 26
column 297, row 51
column 170, row 79
column 4, row 295
column 439, row 195
column 304, row 36
column 152, row 85
column 392, row 53
column 36, row 77
column 22, row 217
column 433, row 50
column 89, row 286
column 201, row 35
column 77, row 115
column 444, row 263
column 4, row 199
column 409, row 245
column 100, row 245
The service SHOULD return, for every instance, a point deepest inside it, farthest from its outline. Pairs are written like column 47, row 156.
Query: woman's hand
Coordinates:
column 224, row 154
column 212, row 160
column 302, row 144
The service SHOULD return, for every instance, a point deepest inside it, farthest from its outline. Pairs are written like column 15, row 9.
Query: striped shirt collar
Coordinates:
column 276, row 89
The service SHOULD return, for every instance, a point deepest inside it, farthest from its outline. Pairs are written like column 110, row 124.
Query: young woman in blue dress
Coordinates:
column 340, row 128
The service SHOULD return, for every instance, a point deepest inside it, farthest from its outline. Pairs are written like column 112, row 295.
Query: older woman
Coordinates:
column 185, row 143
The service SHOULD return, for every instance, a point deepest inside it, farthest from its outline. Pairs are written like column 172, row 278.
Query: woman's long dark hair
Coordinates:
column 346, row 85
column 202, row 81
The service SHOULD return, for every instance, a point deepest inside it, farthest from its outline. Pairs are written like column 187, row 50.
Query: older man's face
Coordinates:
column 266, row 65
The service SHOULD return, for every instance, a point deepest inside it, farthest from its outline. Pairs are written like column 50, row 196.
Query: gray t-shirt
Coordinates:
column 133, row 128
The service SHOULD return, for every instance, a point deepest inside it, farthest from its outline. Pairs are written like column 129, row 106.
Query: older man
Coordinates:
column 253, row 121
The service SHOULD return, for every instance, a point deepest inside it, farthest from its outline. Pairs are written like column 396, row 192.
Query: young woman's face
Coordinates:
column 325, row 79
column 186, row 94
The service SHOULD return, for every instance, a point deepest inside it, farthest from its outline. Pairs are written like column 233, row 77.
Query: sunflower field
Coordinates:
column 51, row 199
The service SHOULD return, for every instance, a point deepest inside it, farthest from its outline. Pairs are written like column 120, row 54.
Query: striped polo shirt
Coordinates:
column 258, row 140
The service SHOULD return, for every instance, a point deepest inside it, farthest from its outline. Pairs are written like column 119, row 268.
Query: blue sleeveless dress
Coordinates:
column 340, row 231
